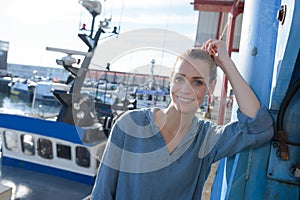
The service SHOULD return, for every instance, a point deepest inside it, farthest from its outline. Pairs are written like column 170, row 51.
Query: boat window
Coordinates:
column 83, row 157
column 11, row 140
column 27, row 143
column 140, row 96
column 44, row 147
column 63, row 151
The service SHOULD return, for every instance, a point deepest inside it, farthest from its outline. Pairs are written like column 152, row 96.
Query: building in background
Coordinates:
column 4, row 46
column 28, row 71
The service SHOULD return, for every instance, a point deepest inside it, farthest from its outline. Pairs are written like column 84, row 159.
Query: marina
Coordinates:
column 52, row 138
column 60, row 129
column 29, row 183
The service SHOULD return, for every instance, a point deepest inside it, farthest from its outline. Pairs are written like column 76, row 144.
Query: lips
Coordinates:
column 184, row 100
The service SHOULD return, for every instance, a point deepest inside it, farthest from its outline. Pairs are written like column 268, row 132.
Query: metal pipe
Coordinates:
column 229, row 41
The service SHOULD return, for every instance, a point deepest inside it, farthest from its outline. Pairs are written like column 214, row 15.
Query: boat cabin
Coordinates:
column 51, row 147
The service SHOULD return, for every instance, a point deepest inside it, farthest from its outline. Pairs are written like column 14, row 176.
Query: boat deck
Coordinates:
column 32, row 185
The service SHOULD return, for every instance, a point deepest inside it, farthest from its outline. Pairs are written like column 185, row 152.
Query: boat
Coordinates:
column 36, row 89
column 51, row 147
column 152, row 94
column 67, row 149
column 5, row 80
column 43, row 90
column 23, row 89
column 152, row 98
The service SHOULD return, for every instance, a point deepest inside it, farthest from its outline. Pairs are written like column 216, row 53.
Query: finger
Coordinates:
column 206, row 44
column 212, row 49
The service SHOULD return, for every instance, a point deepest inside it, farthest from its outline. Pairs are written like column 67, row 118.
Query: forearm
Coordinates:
column 245, row 97
column 244, row 133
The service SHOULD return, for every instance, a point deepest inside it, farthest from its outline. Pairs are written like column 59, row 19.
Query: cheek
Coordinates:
column 201, row 94
column 174, row 87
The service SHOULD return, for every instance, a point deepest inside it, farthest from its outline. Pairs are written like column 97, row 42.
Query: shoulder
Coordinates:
column 131, row 124
column 134, row 120
column 134, row 114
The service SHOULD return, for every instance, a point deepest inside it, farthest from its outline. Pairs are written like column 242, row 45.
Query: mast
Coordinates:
column 81, row 114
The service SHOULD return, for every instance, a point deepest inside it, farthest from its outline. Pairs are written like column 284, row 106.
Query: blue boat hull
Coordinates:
column 49, row 170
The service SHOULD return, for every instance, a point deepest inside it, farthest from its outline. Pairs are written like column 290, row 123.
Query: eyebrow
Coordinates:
column 195, row 77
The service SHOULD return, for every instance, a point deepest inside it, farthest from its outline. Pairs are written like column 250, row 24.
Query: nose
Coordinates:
column 187, row 87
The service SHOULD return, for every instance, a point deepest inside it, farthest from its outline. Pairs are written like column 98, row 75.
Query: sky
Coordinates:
column 32, row 25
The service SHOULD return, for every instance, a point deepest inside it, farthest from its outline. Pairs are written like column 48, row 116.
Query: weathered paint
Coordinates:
column 270, row 62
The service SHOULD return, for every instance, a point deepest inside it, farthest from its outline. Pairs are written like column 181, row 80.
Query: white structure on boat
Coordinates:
column 44, row 90
column 51, row 147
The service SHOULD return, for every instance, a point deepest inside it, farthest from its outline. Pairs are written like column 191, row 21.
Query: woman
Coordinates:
column 167, row 153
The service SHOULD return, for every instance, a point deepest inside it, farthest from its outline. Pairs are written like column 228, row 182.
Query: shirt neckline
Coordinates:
column 189, row 135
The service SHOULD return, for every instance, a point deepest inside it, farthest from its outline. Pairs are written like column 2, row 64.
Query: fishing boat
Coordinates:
column 152, row 98
column 5, row 80
column 152, row 94
column 23, row 89
column 43, row 90
column 64, row 151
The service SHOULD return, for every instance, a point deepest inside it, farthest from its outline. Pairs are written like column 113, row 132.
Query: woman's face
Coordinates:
column 189, row 85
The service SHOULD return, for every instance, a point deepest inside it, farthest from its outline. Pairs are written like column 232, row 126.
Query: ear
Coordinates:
column 212, row 87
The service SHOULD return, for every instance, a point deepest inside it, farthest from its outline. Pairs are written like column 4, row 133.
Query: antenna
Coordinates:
column 68, row 61
column 67, row 51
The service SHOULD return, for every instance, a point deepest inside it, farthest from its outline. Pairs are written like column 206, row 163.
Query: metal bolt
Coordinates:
column 275, row 144
column 254, row 51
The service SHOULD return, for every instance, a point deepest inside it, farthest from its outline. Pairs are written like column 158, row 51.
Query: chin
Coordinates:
column 186, row 108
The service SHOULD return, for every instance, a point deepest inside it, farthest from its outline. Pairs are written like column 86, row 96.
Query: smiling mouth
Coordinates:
column 184, row 100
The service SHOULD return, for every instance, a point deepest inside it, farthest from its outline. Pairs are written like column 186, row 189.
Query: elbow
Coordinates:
column 269, row 134
column 264, row 136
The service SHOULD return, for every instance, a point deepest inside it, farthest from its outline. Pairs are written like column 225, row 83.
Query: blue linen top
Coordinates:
column 137, row 164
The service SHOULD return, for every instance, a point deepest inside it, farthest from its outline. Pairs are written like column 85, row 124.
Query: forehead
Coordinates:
column 193, row 68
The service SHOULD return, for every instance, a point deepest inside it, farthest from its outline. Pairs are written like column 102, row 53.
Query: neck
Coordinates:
column 173, row 120
column 173, row 126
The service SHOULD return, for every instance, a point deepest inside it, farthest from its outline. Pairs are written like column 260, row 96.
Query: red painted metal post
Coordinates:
column 234, row 8
column 229, row 41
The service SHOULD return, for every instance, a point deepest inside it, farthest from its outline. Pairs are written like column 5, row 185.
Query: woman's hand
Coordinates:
column 217, row 49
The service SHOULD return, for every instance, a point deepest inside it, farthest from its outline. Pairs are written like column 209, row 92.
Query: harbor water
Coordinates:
column 12, row 104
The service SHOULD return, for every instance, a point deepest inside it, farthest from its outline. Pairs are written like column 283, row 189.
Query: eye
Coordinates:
column 178, row 78
column 198, row 82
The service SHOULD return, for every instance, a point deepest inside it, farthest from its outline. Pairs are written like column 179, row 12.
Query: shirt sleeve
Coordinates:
column 246, row 132
column 106, row 181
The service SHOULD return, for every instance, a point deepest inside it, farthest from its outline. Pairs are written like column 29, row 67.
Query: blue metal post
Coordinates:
column 245, row 173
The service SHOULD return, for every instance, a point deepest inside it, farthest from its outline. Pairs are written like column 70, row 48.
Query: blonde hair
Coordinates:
column 198, row 53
